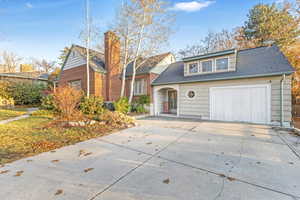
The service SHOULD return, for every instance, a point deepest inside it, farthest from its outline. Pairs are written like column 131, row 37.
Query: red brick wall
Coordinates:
column 79, row 73
column 148, row 78
column 112, row 63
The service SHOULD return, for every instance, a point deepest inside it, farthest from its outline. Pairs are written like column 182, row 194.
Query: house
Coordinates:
column 25, row 77
column 105, row 70
column 251, row 85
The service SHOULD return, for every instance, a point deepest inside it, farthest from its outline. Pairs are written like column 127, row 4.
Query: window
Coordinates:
column 222, row 64
column 75, row 84
column 193, row 68
column 191, row 94
column 207, row 66
column 139, row 87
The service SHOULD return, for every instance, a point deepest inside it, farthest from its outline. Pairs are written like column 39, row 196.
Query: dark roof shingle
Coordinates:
column 256, row 62
column 147, row 64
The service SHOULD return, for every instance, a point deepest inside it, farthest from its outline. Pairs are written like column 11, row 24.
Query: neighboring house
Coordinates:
column 25, row 77
column 251, row 85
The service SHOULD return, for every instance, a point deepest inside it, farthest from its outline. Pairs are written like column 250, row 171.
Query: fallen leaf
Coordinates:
column 87, row 154
column 166, row 181
column 58, row 192
column 88, row 169
column 2, row 166
column 19, row 173
column 81, row 152
column 4, row 171
column 29, row 160
column 54, row 161
column 222, row 175
column 231, row 178
column 252, row 135
column 52, row 151
column 149, row 143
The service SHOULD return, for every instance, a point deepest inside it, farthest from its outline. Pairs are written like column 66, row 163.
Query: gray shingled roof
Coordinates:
column 256, row 62
column 147, row 65
column 27, row 75
column 97, row 58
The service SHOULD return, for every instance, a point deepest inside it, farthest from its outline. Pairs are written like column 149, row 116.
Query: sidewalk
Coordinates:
column 29, row 111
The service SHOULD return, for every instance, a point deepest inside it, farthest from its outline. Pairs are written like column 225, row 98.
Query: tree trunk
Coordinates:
column 124, row 68
column 135, row 59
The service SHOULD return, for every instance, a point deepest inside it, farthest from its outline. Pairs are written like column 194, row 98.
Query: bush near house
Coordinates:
column 139, row 105
column 26, row 93
column 5, row 99
column 122, row 105
column 91, row 105
column 67, row 100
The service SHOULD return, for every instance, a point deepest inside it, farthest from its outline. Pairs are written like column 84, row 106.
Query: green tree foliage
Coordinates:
column 268, row 24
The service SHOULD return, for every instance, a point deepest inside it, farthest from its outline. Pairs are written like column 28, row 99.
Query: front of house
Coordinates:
column 252, row 85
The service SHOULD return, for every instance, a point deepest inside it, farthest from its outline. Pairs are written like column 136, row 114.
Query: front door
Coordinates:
column 172, row 101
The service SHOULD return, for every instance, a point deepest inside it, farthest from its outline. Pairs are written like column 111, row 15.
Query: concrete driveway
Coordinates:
column 162, row 159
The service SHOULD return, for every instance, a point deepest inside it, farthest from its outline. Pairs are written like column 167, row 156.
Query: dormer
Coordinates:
column 222, row 61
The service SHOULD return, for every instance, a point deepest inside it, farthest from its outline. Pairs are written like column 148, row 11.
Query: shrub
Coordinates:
column 117, row 119
column 48, row 103
column 91, row 105
column 122, row 105
column 26, row 93
column 67, row 100
column 144, row 100
column 139, row 104
column 4, row 90
column 6, row 102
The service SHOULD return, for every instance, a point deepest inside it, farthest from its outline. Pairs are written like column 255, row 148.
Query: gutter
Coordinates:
column 281, row 100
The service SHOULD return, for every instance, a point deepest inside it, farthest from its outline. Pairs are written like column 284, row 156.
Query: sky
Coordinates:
column 41, row 28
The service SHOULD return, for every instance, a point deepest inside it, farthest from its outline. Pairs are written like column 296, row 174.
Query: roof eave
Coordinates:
column 226, row 78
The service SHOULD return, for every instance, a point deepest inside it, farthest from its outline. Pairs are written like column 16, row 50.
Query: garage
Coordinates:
column 249, row 103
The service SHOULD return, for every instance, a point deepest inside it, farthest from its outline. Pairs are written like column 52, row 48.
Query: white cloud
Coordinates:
column 28, row 5
column 191, row 6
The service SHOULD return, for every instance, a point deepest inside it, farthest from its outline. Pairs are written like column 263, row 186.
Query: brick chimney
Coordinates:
column 112, row 65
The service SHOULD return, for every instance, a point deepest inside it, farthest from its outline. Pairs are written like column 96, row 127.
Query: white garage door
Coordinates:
column 249, row 103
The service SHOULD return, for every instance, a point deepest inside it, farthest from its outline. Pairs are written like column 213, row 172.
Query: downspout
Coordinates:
column 281, row 100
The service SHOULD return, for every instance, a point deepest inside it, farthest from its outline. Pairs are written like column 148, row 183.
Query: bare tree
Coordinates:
column 144, row 27
column 212, row 42
column 10, row 61
column 44, row 65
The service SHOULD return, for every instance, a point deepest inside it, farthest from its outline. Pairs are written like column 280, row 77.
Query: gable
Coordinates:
column 74, row 60
column 161, row 66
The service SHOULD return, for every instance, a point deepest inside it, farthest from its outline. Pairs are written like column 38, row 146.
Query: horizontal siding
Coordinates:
column 231, row 64
column 74, row 61
column 199, row 105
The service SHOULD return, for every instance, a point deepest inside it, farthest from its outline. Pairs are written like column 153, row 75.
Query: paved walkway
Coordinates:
column 162, row 159
column 29, row 111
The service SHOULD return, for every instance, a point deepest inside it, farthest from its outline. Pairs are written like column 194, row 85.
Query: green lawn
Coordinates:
column 35, row 134
column 9, row 113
